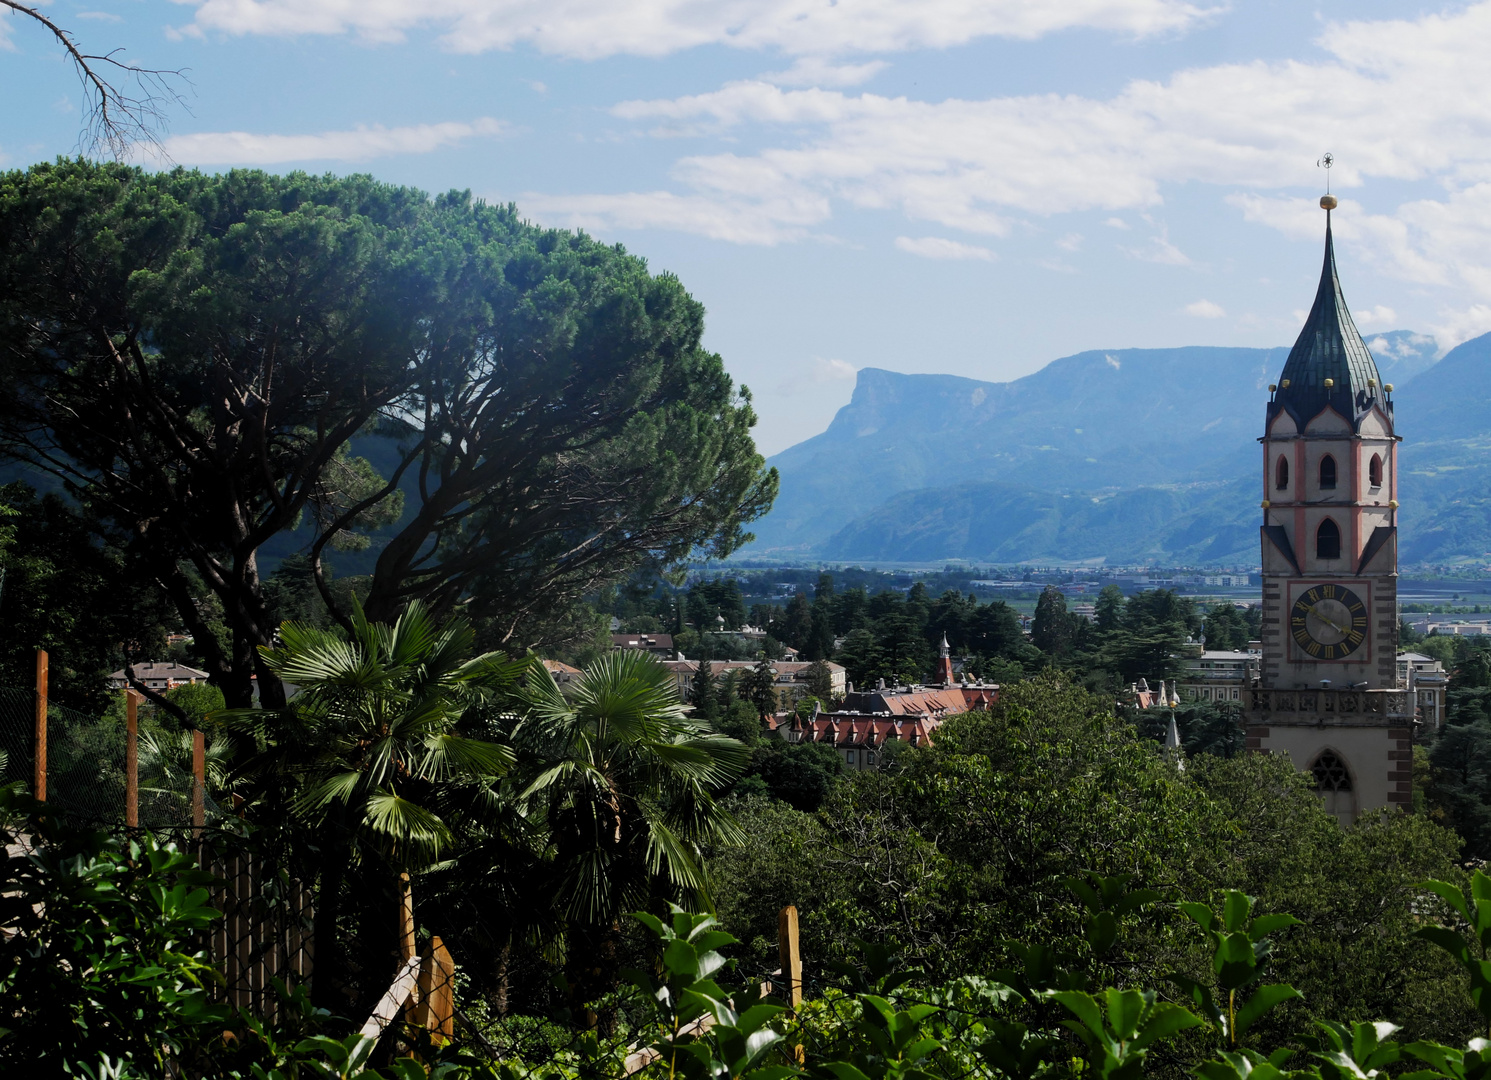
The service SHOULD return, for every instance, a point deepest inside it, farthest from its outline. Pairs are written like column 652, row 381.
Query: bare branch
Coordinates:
column 126, row 105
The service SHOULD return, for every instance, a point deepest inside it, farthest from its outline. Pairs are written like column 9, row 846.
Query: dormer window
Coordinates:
column 1281, row 474
column 1328, row 540
column 1327, row 473
column 1374, row 471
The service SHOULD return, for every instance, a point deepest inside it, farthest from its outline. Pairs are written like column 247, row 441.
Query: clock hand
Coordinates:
column 1328, row 622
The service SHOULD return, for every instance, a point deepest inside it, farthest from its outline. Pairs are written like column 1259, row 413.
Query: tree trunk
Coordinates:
column 330, row 972
column 499, row 994
column 593, row 971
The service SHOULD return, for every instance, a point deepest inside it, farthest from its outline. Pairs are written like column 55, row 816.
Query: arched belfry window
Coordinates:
column 1328, row 540
column 1330, row 772
column 1333, row 785
column 1374, row 471
column 1281, row 474
column 1327, row 472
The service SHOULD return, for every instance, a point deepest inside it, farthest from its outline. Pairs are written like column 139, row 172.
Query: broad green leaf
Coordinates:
column 1264, row 999
column 1201, row 914
column 1235, row 910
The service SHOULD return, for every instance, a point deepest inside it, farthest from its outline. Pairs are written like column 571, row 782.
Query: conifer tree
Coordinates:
column 702, row 696
column 761, row 686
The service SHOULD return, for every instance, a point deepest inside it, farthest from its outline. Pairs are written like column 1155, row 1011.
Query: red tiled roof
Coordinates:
column 843, row 730
column 912, row 703
column 162, row 669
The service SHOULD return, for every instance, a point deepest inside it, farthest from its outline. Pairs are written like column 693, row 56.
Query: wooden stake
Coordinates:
column 791, row 955
column 406, row 920
column 131, row 760
column 199, row 782
column 39, row 774
column 437, row 993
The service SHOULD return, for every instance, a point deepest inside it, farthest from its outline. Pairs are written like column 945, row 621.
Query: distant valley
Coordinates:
column 1123, row 455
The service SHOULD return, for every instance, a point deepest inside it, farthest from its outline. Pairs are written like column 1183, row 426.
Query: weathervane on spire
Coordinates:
column 1327, row 201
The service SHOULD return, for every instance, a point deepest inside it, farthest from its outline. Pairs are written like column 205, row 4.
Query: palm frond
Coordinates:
column 410, row 826
column 452, row 755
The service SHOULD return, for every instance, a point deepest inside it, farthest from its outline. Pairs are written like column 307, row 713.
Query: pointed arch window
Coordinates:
column 1374, row 471
column 1327, row 473
column 1281, row 474
column 1328, row 540
column 1330, row 773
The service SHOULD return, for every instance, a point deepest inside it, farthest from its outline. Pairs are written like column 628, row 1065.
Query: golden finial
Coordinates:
column 1327, row 201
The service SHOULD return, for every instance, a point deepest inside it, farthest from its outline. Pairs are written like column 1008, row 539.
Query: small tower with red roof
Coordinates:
column 945, row 664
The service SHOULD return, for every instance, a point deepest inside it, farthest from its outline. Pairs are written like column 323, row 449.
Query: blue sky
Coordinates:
column 965, row 186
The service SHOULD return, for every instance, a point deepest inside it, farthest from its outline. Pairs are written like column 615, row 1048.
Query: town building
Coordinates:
column 653, row 644
column 1427, row 681
column 564, row 675
column 860, row 727
column 1442, row 627
column 859, row 738
column 1328, row 692
column 160, row 676
column 1218, row 675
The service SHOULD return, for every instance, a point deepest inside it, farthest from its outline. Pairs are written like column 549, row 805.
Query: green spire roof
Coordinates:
column 1329, row 347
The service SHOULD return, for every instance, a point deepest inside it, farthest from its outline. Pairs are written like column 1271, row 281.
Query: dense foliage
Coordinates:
column 194, row 355
column 967, row 845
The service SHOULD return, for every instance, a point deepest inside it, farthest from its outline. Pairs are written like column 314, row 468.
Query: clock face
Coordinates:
column 1329, row 622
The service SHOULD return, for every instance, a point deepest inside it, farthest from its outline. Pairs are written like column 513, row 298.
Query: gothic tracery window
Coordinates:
column 1281, row 474
column 1328, row 540
column 1330, row 772
column 1327, row 472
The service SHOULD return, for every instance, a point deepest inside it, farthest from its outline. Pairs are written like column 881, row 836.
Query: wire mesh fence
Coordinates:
column 17, row 728
column 87, row 774
column 265, row 932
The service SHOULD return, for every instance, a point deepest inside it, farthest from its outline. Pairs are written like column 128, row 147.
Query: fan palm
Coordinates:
column 166, row 767
column 370, row 748
column 625, row 782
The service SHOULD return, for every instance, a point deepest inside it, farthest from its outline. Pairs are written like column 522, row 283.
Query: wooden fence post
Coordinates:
column 39, row 773
column 791, row 955
column 406, row 920
column 131, row 760
column 199, row 783
column 437, row 993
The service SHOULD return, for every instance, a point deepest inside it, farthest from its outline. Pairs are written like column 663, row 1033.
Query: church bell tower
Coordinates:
column 1328, row 692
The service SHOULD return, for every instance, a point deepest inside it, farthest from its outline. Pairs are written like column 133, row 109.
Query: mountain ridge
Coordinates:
column 922, row 467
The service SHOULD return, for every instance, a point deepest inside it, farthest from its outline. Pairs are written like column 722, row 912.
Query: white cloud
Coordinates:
column 1379, row 315
column 816, row 71
column 1406, row 100
column 1205, row 309
column 101, row 16
column 1407, row 347
column 360, row 144
column 1070, row 242
column 827, row 370
column 1160, row 250
column 589, row 29
column 719, row 216
column 935, row 247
